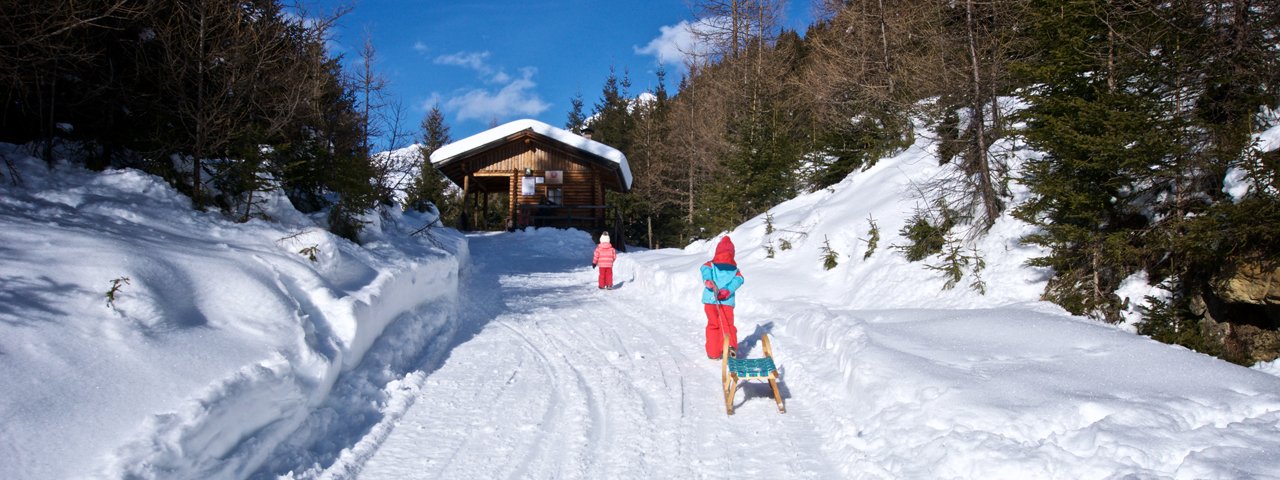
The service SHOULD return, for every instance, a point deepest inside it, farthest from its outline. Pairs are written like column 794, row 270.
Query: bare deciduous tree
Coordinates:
column 693, row 148
column 730, row 27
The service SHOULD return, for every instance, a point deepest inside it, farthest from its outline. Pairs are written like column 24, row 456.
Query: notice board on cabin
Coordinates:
column 555, row 177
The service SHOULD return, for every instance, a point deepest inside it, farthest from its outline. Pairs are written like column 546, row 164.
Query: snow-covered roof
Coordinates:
column 448, row 152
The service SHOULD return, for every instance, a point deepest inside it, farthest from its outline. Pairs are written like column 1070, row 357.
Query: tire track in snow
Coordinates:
column 552, row 413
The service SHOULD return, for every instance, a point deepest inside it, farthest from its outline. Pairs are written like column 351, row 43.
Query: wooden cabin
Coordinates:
column 549, row 177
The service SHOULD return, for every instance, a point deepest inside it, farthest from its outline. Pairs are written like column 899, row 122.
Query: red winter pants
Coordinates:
column 715, row 336
column 606, row 277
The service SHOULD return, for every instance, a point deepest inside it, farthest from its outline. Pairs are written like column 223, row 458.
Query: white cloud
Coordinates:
column 515, row 99
column 478, row 61
column 421, row 48
column 472, row 60
column 674, row 45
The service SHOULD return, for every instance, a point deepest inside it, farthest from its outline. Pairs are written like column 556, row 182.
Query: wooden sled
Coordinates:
column 734, row 369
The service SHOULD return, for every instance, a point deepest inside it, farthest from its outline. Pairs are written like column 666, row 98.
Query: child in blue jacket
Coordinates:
column 721, row 279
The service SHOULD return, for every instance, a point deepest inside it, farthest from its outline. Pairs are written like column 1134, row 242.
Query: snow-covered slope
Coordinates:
column 922, row 382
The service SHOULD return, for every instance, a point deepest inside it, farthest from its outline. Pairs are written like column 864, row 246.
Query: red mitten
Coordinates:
column 710, row 285
column 723, row 294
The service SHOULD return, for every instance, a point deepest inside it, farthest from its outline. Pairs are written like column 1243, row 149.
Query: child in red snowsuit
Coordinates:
column 721, row 280
column 603, row 258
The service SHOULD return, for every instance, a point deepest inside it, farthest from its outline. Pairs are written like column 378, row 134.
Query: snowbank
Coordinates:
column 221, row 337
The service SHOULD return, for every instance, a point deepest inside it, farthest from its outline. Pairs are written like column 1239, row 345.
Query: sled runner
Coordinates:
column 734, row 369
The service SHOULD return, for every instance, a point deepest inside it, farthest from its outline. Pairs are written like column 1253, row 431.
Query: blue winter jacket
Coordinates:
column 725, row 276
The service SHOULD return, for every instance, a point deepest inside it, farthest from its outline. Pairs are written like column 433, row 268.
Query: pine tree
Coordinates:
column 611, row 115
column 1141, row 110
column 577, row 120
column 315, row 148
column 1098, row 122
column 430, row 186
column 650, row 210
column 660, row 90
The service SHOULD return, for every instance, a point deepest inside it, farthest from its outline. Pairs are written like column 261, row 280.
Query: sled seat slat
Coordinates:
column 752, row 367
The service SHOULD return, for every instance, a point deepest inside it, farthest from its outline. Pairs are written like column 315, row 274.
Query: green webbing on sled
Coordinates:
column 751, row 367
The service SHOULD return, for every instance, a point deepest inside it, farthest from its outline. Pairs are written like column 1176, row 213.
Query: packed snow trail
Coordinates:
column 562, row 380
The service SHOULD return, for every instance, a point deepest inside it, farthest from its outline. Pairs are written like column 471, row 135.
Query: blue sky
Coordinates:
column 508, row 59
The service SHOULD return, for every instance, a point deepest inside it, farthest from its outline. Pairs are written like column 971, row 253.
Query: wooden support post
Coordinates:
column 466, row 202
column 513, row 198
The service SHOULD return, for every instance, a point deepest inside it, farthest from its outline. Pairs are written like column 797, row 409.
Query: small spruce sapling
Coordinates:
column 116, row 285
column 927, row 232
column 829, row 257
column 954, row 262
column 978, row 265
column 784, row 244
column 952, row 266
column 310, row 252
column 768, row 249
column 875, row 238
column 768, row 223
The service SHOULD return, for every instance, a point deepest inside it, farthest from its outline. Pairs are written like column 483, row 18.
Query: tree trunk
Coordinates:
column 689, row 219
column 981, row 165
column 197, row 196
column 884, row 46
column 649, row 224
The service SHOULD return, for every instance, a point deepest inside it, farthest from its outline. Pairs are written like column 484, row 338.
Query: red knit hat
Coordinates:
column 724, row 252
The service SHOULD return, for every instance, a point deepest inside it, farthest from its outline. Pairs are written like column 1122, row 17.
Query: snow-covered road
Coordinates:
column 562, row 380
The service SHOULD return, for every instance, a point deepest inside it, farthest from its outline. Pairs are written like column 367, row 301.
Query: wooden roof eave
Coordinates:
column 453, row 164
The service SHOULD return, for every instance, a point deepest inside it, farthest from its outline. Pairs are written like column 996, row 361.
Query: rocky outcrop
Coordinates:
column 1242, row 312
column 1249, row 283
column 1247, row 344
